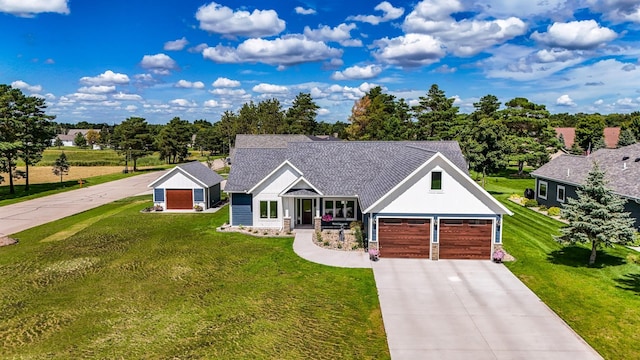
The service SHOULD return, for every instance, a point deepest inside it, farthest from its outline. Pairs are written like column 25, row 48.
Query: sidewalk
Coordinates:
column 305, row 248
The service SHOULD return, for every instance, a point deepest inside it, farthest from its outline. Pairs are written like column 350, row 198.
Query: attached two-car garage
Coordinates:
column 457, row 238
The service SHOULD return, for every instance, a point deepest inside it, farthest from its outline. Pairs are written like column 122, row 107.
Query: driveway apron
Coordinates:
column 467, row 309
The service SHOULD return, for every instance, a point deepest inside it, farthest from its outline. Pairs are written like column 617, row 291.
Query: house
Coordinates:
column 415, row 199
column 610, row 136
column 186, row 186
column 69, row 138
column 244, row 141
column 558, row 179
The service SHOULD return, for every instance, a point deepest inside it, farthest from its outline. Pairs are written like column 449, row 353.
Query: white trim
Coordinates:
column 455, row 168
column 172, row 172
column 296, row 181
column 286, row 162
column 343, row 199
column 564, row 193
column 546, row 191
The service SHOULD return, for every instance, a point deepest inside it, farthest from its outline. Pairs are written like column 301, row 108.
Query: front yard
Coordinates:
column 124, row 284
column 601, row 303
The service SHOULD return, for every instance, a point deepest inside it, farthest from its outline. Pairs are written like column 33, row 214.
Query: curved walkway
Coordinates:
column 305, row 248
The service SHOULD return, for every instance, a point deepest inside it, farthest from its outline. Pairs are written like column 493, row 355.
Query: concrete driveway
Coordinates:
column 21, row 216
column 465, row 309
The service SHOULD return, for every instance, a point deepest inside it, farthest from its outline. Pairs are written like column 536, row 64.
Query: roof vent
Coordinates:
column 625, row 158
column 624, row 166
column 637, row 159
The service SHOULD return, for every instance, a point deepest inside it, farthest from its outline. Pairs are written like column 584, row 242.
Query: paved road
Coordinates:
column 468, row 309
column 21, row 216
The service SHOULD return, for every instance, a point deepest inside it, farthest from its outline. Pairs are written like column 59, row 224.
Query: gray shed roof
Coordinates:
column 201, row 172
column 622, row 167
column 368, row 169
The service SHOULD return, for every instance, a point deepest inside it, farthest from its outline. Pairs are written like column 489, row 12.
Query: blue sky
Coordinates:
column 104, row 61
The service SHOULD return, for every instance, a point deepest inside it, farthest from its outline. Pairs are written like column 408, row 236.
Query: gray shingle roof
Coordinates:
column 201, row 172
column 622, row 167
column 368, row 169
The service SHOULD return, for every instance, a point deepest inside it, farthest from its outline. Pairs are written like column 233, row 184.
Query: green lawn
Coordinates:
column 601, row 303
column 116, row 283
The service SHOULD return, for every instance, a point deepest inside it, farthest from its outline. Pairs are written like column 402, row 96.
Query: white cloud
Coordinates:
column 97, row 89
column 29, row 8
column 190, row 85
column 106, row 78
column 89, row 97
column 524, row 63
column 176, row 45
column 357, row 72
column 302, row 11
column 340, row 34
column 223, row 82
column 127, row 97
column 198, row 48
column 466, row 37
column 228, row 92
column 617, row 10
column 183, row 103
column 270, row 89
column 19, row 84
column 131, row 108
column 282, row 51
column 323, row 111
column 411, row 50
column 389, row 13
column 160, row 64
column 565, row 100
column 211, row 103
column 49, row 61
column 222, row 20
column 586, row 34
column 524, row 9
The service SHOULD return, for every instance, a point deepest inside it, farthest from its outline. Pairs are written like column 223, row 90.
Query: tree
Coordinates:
column 378, row 116
column 37, row 131
column 301, row 116
column 358, row 129
column 589, row 129
column 93, row 138
column 530, row 135
column 10, row 131
column 58, row 143
column 626, row 138
column 436, row 115
column 173, row 140
column 561, row 141
column 80, row 141
column 61, row 166
column 132, row 138
column 596, row 216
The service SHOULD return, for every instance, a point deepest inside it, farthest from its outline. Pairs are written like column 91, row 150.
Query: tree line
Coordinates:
column 491, row 137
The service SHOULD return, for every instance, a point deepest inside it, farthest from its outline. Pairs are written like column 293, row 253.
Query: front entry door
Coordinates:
column 307, row 214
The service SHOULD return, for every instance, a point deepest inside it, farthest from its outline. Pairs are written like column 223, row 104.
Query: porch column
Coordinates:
column 286, row 221
column 317, row 222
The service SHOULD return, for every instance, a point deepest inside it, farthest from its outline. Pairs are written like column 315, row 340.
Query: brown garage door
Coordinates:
column 404, row 238
column 465, row 239
column 179, row 199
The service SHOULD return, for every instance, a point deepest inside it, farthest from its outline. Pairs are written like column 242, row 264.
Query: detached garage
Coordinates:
column 186, row 186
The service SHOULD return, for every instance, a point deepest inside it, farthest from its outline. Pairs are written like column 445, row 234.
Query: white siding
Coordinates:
column 177, row 181
column 416, row 197
column 269, row 191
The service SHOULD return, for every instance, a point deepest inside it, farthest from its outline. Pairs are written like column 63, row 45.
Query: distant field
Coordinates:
column 43, row 174
column 86, row 157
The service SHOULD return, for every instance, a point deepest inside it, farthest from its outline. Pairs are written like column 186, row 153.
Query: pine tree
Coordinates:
column 626, row 138
column 596, row 216
column 61, row 166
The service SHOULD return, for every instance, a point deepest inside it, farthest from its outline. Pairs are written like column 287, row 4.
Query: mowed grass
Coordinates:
column 601, row 303
column 126, row 284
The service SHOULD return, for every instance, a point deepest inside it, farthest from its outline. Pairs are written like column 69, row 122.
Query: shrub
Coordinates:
column 357, row 234
column 326, row 243
column 543, row 207
column 355, row 224
column 531, row 203
column 318, row 236
column 553, row 211
column 633, row 259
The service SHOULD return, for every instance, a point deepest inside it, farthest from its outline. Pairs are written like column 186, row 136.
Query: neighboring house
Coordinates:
column 67, row 140
column 415, row 199
column 186, row 186
column 558, row 179
column 610, row 134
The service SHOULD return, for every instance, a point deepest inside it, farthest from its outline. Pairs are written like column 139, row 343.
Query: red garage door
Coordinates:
column 404, row 238
column 465, row 239
column 179, row 199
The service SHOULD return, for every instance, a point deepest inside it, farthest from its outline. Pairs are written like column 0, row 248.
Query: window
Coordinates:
column 198, row 194
column 158, row 195
column 268, row 209
column 340, row 209
column 542, row 189
column 436, row 180
column 560, row 193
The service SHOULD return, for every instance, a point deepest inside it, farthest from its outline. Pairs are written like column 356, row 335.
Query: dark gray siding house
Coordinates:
column 558, row 179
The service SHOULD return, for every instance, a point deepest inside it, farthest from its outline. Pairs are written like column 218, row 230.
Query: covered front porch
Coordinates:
column 304, row 208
